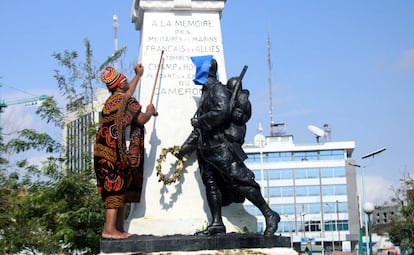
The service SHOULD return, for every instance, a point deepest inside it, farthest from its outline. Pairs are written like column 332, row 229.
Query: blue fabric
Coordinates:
column 202, row 64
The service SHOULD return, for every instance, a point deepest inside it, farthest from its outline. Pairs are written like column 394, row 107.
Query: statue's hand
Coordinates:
column 178, row 153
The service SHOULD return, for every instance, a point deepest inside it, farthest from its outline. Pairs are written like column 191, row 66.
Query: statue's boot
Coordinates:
column 214, row 203
column 272, row 222
column 213, row 229
column 272, row 218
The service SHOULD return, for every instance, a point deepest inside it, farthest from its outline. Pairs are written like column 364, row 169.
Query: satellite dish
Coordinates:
column 316, row 131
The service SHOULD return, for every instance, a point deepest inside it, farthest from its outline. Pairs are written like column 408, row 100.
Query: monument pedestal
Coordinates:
column 180, row 29
column 148, row 243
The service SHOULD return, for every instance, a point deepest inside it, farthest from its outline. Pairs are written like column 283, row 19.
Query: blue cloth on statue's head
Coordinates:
column 202, row 64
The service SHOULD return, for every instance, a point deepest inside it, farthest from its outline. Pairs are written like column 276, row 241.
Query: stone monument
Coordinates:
column 180, row 29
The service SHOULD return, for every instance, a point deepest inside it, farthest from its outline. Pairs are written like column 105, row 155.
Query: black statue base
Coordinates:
column 150, row 243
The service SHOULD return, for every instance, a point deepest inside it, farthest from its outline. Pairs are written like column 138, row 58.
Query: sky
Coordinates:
column 345, row 63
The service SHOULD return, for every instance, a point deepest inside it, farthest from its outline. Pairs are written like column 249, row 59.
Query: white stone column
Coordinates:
column 180, row 28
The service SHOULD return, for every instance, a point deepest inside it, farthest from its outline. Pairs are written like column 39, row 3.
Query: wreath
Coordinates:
column 178, row 167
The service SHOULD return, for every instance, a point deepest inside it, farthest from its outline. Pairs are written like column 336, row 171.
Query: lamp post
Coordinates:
column 261, row 141
column 368, row 155
column 337, row 223
column 332, row 228
column 369, row 209
column 290, row 229
column 363, row 201
column 303, row 223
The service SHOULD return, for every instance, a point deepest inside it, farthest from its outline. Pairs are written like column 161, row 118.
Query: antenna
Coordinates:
column 115, row 18
column 317, row 132
column 272, row 132
column 327, row 130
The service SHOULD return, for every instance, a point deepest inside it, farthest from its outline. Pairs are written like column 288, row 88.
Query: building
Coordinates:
column 382, row 216
column 313, row 187
column 77, row 136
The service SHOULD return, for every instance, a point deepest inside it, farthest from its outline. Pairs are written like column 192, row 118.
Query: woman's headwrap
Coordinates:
column 112, row 78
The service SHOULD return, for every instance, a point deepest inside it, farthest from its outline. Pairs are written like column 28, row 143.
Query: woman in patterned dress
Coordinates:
column 119, row 170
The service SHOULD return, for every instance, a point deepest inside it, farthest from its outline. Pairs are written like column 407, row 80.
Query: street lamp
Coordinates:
column 372, row 154
column 369, row 209
column 303, row 223
column 368, row 155
column 363, row 201
column 290, row 229
column 260, row 140
column 332, row 227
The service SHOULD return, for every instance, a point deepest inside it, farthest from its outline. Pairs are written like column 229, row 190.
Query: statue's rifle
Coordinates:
column 237, row 88
column 156, row 77
column 238, row 153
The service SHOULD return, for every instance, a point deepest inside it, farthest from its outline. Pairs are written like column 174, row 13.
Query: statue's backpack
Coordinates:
column 242, row 110
column 240, row 113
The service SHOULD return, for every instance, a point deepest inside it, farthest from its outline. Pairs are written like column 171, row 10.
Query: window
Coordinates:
column 305, row 155
column 328, row 190
column 334, row 189
column 286, row 174
column 253, row 158
column 332, row 154
column 279, row 191
column 304, row 191
column 340, row 189
column 269, row 157
column 286, row 226
column 313, row 225
column 283, row 208
column 314, row 190
column 343, row 225
column 330, row 172
column 279, row 156
column 301, row 191
column 78, row 145
column 342, row 207
column 333, row 225
column 314, row 208
column 306, row 173
column 277, row 174
column 273, row 174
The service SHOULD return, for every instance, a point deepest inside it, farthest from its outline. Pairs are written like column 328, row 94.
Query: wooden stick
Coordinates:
column 156, row 77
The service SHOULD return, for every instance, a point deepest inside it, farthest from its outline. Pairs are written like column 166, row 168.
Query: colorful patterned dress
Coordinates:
column 119, row 172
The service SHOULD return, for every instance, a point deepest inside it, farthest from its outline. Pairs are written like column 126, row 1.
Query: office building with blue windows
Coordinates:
column 313, row 187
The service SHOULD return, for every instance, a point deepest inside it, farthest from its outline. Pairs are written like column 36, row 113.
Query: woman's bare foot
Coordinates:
column 116, row 235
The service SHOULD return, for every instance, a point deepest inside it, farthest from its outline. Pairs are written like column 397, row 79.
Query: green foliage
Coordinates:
column 76, row 82
column 401, row 229
column 30, row 139
column 50, row 112
column 45, row 209
column 113, row 58
column 50, row 217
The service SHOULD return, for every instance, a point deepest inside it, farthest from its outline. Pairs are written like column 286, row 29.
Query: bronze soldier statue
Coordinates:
column 217, row 137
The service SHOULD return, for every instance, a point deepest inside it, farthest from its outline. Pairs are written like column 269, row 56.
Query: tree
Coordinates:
column 50, row 209
column 401, row 230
